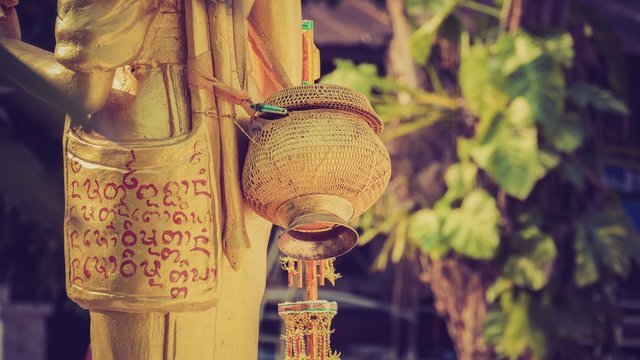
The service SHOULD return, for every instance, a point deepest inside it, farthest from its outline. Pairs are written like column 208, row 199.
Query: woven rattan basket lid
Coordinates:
column 327, row 96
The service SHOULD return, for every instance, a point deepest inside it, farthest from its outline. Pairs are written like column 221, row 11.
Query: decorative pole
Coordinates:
column 310, row 169
column 308, row 323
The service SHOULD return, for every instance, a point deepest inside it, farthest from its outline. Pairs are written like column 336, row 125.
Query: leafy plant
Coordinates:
column 522, row 199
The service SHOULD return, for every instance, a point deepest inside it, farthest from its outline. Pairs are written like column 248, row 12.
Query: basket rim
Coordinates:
column 323, row 100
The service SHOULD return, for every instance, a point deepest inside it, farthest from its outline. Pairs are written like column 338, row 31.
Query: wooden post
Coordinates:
column 290, row 272
column 310, row 72
column 321, row 272
column 299, row 272
column 311, row 280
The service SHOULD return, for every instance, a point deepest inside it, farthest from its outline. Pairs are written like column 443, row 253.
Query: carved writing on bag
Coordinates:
column 145, row 233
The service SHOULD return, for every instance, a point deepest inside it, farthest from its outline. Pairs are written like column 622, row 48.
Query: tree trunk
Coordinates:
column 400, row 64
column 459, row 289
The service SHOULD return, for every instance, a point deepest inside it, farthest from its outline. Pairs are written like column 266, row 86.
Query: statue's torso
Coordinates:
column 149, row 98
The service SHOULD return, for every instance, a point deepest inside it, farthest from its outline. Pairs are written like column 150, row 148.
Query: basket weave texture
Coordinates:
column 329, row 150
column 327, row 96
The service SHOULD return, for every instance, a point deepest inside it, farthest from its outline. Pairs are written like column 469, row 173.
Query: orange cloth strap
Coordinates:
column 199, row 75
column 199, row 68
column 266, row 56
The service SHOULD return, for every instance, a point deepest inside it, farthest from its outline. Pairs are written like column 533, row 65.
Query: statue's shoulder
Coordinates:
column 101, row 34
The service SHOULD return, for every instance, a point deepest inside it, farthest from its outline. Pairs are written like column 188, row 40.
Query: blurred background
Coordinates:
column 508, row 229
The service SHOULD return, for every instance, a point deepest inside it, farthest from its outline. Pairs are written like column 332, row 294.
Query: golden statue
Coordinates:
column 155, row 241
column 160, row 245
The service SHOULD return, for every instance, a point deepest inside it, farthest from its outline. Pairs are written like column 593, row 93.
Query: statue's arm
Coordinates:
column 90, row 89
column 94, row 37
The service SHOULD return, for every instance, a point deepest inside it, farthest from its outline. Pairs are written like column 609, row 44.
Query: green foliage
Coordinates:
column 460, row 178
column 520, row 194
column 530, row 262
column 421, row 40
column 512, row 330
column 566, row 134
column 541, row 83
column 363, row 78
column 509, row 154
column 604, row 245
column 518, row 74
column 560, row 47
column 424, row 230
column 585, row 95
column 472, row 230
column 524, row 128
column 425, row 109
column 483, row 91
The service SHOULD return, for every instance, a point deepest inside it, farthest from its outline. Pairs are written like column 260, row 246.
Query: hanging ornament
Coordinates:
column 308, row 329
column 307, row 334
column 310, row 171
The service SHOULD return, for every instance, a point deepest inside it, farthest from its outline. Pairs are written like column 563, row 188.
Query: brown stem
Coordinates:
column 459, row 289
column 516, row 16
column 400, row 65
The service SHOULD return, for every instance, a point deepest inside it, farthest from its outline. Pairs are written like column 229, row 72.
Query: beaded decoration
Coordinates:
column 308, row 329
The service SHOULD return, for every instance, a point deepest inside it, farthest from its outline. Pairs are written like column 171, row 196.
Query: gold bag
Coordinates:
column 140, row 226
column 316, row 168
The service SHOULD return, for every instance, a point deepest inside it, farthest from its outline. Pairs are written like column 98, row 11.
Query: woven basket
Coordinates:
column 327, row 96
column 322, row 161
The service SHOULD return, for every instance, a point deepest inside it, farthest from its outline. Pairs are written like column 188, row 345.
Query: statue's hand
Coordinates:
column 9, row 24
